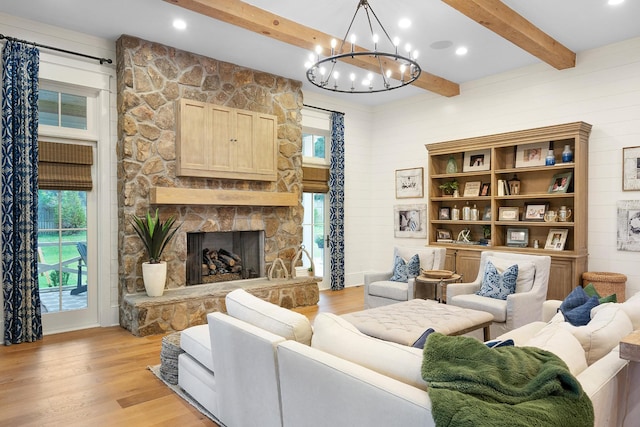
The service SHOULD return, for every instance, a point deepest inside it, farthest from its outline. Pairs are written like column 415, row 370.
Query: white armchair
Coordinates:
column 379, row 290
column 522, row 307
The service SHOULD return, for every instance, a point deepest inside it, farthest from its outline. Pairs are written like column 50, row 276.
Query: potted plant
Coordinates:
column 449, row 188
column 155, row 235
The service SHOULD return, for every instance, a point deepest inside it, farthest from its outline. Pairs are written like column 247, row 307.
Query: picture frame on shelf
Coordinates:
column 485, row 189
column 535, row 212
column 444, row 235
column 486, row 216
column 628, row 236
column 478, row 160
column 528, row 155
column 509, row 213
column 409, row 183
column 444, row 213
column 472, row 189
column 410, row 221
column 518, row 237
column 556, row 239
column 560, row 182
column 631, row 168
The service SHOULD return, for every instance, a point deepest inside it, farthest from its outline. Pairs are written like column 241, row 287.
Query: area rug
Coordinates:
column 184, row 395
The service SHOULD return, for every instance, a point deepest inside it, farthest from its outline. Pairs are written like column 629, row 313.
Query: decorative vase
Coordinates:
column 452, row 165
column 550, row 160
column 154, row 277
column 567, row 154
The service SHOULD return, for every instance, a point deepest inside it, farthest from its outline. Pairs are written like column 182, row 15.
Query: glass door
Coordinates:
column 313, row 233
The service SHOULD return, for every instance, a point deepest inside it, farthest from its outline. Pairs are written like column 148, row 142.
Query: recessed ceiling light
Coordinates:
column 615, row 2
column 179, row 24
column 461, row 51
column 442, row 44
column 404, row 23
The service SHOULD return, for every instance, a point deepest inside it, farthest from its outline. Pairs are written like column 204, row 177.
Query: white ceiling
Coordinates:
column 577, row 24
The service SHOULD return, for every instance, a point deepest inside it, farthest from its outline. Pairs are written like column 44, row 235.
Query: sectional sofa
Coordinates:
column 261, row 364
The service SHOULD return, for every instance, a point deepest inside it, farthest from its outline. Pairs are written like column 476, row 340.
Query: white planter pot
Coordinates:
column 154, row 277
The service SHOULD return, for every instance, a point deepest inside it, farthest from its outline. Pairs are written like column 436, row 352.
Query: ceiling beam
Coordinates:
column 260, row 21
column 504, row 21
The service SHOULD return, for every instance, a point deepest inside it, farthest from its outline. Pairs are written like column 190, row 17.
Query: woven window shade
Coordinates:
column 64, row 167
column 315, row 179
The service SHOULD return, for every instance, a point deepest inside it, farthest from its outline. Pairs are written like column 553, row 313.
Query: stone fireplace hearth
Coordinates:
column 151, row 79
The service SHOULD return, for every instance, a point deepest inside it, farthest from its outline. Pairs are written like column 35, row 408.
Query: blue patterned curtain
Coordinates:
column 336, row 201
column 22, row 317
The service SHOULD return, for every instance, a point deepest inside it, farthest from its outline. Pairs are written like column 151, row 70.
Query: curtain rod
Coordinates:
column 322, row 109
column 13, row 39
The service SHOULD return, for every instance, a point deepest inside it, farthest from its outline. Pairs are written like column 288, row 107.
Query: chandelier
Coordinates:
column 392, row 69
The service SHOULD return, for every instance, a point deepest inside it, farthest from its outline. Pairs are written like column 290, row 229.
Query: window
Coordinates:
column 313, row 235
column 314, row 145
column 62, row 109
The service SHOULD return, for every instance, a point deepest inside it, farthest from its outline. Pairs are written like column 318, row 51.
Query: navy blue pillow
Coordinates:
column 576, row 298
column 581, row 315
column 500, row 343
column 423, row 338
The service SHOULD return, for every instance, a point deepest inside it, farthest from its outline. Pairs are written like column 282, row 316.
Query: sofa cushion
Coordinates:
column 563, row 344
column 632, row 307
column 196, row 341
column 497, row 307
column 275, row 319
column 497, row 285
column 336, row 336
column 526, row 271
column 405, row 270
column 389, row 289
column 608, row 325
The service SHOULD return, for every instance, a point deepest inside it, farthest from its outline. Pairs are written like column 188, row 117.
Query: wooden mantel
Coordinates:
column 191, row 196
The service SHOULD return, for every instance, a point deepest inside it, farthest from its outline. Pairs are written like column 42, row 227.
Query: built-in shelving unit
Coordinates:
column 569, row 263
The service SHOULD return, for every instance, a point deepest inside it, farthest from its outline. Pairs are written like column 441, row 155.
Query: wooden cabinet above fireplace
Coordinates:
column 213, row 141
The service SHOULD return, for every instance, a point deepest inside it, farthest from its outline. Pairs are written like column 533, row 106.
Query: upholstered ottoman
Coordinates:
column 406, row 321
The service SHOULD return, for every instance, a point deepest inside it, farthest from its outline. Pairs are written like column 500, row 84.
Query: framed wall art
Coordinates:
column 531, row 154
column 629, row 225
column 556, row 239
column 631, row 168
column 409, row 183
column 410, row 221
column 479, row 160
column 535, row 212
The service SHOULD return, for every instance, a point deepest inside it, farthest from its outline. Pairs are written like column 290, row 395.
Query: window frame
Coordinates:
column 91, row 95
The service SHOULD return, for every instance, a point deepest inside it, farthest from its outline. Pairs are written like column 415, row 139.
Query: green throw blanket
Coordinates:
column 473, row 385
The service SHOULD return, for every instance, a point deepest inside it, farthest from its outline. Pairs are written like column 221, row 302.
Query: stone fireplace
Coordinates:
column 150, row 79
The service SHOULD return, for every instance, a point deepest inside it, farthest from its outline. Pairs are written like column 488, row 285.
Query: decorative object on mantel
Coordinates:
column 278, row 272
column 308, row 270
column 325, row 72
column 630, row 167
column 154, row 235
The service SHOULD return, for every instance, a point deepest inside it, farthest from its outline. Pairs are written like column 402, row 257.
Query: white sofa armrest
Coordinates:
column 549, row 309
column 455, row 289
column 377, row 276
column 523, row 308
column 308, row 377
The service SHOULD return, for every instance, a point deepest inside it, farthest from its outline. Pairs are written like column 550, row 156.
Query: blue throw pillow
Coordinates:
column 403, row 271
column 581, row 315
column 576, row 298
column 423, row 338
column 496, row 285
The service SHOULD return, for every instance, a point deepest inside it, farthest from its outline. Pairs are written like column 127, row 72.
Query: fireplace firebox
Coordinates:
column 224, row 255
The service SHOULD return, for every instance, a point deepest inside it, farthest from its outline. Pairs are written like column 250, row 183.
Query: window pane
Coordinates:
column 318, row 147
column 48, row 107
column 74, row 111
column 313, row 145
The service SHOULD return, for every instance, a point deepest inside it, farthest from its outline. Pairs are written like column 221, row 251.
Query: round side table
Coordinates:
column 435, row 289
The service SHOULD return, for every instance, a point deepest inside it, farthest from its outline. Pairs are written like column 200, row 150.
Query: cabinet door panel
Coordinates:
column 266, row 150
column 467, row 265
column 245, row 141
column 222, row 145
column 561, row 278
column 193, row 151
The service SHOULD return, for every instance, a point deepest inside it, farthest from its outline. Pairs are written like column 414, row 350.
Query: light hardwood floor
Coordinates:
column 98, row 377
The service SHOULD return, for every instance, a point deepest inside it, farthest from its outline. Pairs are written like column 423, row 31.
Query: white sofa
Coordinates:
column 262, row 370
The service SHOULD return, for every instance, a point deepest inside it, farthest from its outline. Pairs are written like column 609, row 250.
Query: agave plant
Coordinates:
column 154, row 234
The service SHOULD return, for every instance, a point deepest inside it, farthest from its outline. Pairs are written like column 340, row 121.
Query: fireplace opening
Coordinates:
column 224, row 255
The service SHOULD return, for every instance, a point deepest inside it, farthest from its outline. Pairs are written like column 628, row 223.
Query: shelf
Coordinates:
column 557, row 167
column 461, row 175
column 191, row 196
column 462, row 199
column 537, row 196
column 555, row 224
column 459, row 222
